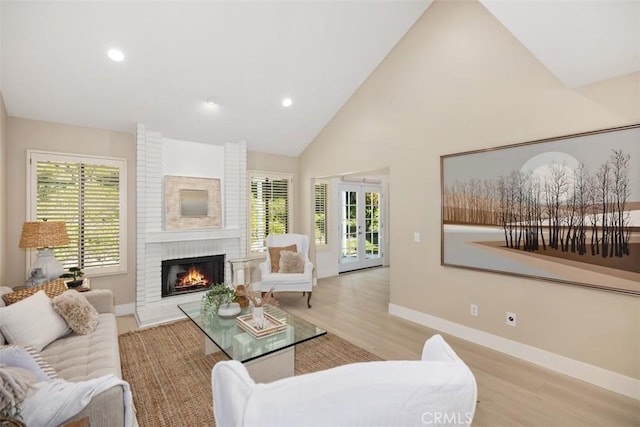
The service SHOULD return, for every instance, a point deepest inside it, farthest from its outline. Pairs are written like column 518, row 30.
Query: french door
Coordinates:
column 360, row 227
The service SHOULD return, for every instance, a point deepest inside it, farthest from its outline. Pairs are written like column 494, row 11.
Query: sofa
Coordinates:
column 437, row 390
column 77, row 358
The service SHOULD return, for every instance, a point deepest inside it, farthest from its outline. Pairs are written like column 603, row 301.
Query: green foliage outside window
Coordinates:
column 269, row 202
column 86, row 197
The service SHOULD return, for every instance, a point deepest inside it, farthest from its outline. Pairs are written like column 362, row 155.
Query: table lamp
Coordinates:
column 44, row 235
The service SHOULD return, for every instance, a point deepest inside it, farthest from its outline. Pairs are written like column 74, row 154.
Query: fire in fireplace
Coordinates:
column 190, row 278
column 191, row 274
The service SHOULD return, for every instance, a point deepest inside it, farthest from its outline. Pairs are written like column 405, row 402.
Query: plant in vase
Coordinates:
column 218, row 295
column 241, row 296
column 75, row 273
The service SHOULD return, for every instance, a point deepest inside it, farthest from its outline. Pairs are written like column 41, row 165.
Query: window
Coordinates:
column 88, row 194
column 270, row 196
column 321, row 210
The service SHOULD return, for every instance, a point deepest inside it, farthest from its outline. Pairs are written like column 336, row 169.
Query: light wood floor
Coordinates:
column 511, row 392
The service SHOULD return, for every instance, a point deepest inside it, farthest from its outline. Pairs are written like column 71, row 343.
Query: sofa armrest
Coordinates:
column 232, row 386
column 101, row 299
column 436, row 349
column 105, row 409
column 308, row 268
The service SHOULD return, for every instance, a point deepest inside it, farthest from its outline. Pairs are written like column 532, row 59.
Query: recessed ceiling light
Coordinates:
column 116, row 55
column 210, row 105
column 287, row 102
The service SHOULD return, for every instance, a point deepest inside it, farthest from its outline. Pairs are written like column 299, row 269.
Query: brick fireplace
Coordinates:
column 155, row 244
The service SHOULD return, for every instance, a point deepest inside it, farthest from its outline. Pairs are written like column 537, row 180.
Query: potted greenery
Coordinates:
column 218, row 295
column 75, row 273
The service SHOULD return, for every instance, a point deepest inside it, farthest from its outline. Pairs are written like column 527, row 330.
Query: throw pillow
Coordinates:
column 274, row 254
column 32, row 321
column 29, row 358
column 291, row 262
column 80, row 315
column 52, row 289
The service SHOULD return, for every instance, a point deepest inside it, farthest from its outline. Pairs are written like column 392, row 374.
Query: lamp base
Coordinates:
column 48, row 265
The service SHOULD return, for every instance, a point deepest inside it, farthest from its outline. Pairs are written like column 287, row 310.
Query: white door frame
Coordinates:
column 360, row 261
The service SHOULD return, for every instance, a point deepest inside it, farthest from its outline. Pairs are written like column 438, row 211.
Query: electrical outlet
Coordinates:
column 474, row 310
column 512, row 318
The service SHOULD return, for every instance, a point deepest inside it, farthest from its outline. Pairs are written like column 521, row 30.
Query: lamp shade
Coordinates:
column 43, row 234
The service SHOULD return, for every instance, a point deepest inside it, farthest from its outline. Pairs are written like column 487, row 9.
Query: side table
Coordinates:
column 241, row 271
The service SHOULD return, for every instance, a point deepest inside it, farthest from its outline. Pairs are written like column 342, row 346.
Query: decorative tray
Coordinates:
column 274, row 325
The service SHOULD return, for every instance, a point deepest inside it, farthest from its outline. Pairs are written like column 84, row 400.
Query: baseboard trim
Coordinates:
column 609, row 380
column 125, row 309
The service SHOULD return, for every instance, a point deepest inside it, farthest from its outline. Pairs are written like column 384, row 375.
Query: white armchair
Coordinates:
column 287, row 282
column 439, row 390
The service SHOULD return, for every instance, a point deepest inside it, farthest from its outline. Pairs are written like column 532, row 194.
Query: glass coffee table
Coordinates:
column 267, row 358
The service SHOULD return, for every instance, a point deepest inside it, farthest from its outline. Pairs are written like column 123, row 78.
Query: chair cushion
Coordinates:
column 83, row 357
column 283, row 279
column 274, row 255
column 291, row 262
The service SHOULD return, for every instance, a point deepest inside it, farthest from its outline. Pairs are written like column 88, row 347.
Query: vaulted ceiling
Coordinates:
column 246, row 57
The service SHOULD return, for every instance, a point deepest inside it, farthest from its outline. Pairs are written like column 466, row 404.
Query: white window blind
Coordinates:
column 321, row 217
column 270, row 207
column 88, row 195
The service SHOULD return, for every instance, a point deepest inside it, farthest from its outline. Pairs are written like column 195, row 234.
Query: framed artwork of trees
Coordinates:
column 564, row 209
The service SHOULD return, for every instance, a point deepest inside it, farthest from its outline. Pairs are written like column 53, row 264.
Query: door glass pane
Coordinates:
column 349, row 227
column 372, row 225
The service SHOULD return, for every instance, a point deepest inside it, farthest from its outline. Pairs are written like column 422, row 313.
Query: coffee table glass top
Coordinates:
column 239, row 344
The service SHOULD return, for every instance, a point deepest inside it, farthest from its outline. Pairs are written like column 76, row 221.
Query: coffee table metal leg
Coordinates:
column 273, row 366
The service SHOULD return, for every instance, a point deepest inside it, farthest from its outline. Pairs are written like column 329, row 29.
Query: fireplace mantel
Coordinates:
column 167, row 236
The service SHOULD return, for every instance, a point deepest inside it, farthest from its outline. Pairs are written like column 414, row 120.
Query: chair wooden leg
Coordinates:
column 308, row 298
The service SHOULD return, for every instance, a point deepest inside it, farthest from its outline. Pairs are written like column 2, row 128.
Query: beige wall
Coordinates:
column 619, row 95
column 3, row 192
column 26, row 134
column 460, row 81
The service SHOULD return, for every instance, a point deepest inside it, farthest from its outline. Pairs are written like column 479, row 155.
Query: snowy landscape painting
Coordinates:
column 564, row 209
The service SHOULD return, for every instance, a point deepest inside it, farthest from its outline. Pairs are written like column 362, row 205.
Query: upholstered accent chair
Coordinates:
column 287, row 267
column 438, row 390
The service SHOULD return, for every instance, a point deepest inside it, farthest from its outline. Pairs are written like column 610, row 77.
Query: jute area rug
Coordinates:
column 170, row 376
